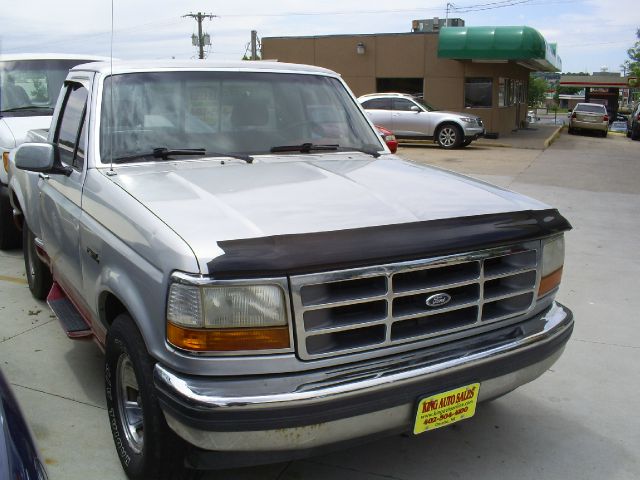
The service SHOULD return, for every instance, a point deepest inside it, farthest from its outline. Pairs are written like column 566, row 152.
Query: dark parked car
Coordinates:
column 18, row 455
column 633, row 130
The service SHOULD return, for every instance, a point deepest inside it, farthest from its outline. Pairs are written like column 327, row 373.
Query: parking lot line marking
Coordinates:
column 18, row 280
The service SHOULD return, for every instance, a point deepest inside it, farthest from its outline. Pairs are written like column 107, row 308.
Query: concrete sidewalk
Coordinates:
column 536, row 137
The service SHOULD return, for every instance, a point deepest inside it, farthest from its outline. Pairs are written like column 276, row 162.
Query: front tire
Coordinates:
column 449, row 136
column 38, row 274
column 147, row 448
column 467, row 142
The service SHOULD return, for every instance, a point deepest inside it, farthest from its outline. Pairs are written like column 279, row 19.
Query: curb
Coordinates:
column 552, row 138
column 480, row 143
column 492, row 144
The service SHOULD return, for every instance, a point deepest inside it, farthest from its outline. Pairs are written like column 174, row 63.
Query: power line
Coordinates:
column 74, row 38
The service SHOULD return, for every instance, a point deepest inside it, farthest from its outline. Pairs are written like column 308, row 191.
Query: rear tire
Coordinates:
column 9, row 233
column 635, row 134
column 38, row 274
column 146, row 446
column 449, row 136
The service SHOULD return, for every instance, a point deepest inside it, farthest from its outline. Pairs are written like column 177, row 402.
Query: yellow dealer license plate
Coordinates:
column 446, row 408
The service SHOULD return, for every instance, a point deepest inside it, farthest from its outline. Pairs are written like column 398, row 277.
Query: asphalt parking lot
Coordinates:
column 578, row 420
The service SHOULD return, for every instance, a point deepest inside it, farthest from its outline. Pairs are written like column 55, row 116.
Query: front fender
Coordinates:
column 24, row 194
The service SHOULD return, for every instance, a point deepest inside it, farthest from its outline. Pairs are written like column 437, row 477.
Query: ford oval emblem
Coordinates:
column 438, row 300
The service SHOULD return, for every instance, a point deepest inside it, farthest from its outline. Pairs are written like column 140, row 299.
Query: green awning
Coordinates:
column 524, row 45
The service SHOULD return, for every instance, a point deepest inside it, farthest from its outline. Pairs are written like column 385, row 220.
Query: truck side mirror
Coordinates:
column 39, row 157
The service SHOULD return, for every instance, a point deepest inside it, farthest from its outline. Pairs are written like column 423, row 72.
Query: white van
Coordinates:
column 29, row 88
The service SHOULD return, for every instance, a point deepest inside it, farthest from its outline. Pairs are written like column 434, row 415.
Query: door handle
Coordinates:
column 43, row 176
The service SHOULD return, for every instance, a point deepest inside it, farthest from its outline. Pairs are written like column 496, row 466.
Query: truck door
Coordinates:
column 61, row 195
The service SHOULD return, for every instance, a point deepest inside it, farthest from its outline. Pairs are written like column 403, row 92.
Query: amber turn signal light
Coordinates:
column 5, row 161
column 228, row 339
column 550, row 282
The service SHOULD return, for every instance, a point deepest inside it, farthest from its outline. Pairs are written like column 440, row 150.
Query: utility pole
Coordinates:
column 254, row 45
column 200, row 40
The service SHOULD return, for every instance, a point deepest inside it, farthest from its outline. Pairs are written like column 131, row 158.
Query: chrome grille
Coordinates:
column 349, row 311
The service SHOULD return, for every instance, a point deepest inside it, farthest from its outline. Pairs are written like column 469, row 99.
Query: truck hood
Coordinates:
column 208, row 202
column 18, row 128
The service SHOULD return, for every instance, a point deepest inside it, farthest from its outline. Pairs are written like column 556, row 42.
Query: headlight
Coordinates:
column 468, row 119
column 227, row 317
column 552, row 263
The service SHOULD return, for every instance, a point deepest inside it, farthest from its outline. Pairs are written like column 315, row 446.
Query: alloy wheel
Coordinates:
column 129, row 403
column 447, row 137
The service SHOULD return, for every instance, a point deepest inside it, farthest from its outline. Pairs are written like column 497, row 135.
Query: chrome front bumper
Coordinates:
column 311, row 410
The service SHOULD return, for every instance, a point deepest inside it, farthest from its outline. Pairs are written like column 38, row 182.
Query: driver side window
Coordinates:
column 71, row 126
column 403, row 104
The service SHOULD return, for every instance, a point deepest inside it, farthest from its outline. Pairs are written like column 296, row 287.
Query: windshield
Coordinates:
column 591, row 108
column 428, row 107
column 32, row 86
column 227, row 112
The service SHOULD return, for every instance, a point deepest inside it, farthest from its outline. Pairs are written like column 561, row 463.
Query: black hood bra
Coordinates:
column 281, row 255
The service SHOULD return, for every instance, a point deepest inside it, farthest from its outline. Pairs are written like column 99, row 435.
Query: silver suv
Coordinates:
column 411, row 117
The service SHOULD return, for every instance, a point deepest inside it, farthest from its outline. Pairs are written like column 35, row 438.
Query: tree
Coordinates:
column 568, row 90
column 633, row 64
column 537, row 89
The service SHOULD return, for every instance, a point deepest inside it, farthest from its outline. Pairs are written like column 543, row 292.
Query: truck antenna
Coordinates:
column 111, row 172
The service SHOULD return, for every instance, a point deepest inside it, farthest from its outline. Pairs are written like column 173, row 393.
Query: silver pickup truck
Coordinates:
column 267, row 281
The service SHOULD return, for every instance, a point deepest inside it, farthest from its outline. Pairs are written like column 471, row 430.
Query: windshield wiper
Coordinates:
column 26, row 107
column 309, row 147
column 304, row 148
column 239, row 156
column 165, row 154
column 162, row 153
column 369, row 151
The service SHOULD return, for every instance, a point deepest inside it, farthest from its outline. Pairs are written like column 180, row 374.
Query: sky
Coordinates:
column 590, row 34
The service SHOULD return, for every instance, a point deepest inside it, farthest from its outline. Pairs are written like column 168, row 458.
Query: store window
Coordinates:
column 478, row 92
column 508, row 92
column 502, row 88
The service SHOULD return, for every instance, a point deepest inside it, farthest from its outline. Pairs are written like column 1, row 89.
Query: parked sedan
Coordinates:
column 589, row 116
column 412, row 117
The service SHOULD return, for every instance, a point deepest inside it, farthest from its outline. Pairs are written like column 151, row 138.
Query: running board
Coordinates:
column 71, row 320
